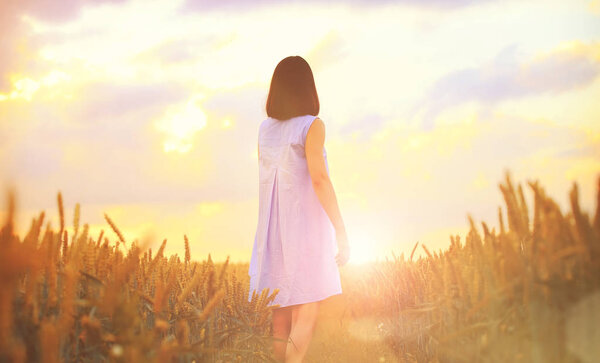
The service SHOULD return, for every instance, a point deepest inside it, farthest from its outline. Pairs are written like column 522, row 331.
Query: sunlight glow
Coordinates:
column 366, row 328
column 210, row 209
column 55, row 77
column 25, row 88
column 480, row 182
column 180, row 125
column 594, row 7
column 362, row 247
column 417, row 134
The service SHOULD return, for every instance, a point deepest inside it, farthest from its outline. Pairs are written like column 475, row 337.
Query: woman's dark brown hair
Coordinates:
column 292, row 92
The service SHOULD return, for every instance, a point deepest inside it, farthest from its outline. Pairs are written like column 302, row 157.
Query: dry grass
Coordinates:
column 528, row 292
column 78, row 298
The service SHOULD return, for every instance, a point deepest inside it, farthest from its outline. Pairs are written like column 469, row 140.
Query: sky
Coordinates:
column 148, row 111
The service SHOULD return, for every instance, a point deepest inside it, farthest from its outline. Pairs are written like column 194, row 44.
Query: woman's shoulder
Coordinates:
column 315, row 126
column 312, row 120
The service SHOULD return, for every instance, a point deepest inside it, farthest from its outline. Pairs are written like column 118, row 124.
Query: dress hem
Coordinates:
column 310, row 300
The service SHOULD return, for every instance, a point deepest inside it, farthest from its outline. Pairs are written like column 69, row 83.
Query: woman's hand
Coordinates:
column 343, row 248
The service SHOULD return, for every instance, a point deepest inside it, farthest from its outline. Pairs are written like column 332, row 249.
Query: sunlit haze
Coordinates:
column 148, row 111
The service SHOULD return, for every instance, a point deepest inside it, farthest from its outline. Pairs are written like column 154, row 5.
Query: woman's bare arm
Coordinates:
column 315, row 140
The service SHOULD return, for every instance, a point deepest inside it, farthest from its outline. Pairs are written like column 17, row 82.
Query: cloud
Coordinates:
column 16, row 46
column 203, row 5
column 363, row 126
column 99, row 145
column 328, row 50
column 590, row 150
column 48, row 10
column 104, row 101
column 508, row 77
column 107, row 111
column 246, row 103
column 419, row 180
column 233, row 167
column 36, row 161
column 103, row 146
column 180, row 51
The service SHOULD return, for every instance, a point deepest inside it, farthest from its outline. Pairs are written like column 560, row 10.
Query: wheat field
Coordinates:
column 528, row 292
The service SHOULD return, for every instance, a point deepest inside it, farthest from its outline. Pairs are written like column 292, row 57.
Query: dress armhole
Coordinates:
column 306, row 127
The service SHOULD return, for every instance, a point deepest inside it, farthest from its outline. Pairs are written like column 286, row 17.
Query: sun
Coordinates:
column 363, row 247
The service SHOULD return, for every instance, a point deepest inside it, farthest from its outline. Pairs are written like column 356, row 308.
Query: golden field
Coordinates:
column 526, row 292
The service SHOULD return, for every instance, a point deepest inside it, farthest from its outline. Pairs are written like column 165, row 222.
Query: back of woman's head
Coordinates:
column 292, row 92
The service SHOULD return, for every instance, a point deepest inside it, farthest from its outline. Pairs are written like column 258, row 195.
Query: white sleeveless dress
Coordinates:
column 294, row 245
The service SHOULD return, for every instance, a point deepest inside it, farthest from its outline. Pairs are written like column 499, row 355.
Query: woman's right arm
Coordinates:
column 315, row 140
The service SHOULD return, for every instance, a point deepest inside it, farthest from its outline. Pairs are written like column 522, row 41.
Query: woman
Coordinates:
column 299, row 219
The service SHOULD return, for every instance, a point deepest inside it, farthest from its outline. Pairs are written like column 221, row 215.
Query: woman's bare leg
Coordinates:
column 304, row 317
column 282, row 324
